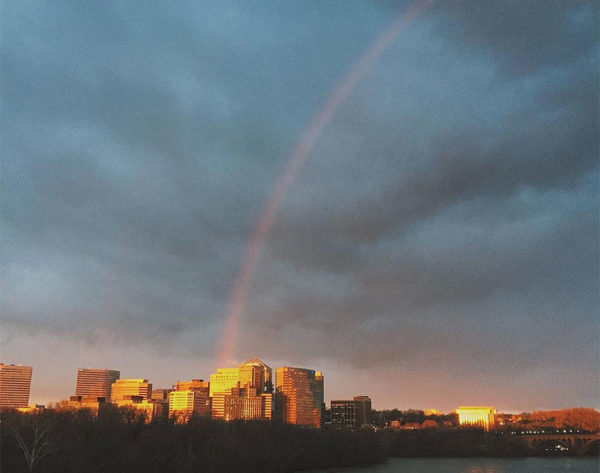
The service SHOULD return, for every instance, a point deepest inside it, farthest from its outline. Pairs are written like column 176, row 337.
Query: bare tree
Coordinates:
column 35, row 446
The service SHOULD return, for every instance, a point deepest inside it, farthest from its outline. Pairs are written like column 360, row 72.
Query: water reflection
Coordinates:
column 482, row 465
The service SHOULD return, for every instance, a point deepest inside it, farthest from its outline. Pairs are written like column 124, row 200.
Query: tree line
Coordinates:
column 577, row 418
column 121, row 440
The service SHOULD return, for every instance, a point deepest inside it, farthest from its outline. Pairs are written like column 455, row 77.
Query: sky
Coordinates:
column 438, row 248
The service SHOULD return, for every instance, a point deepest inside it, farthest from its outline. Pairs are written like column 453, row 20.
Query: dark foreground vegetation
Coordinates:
column 116, row 442
column 120, row 441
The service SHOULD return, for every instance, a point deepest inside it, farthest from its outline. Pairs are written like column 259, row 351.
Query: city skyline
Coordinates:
column 437, row 242
column 89, row 382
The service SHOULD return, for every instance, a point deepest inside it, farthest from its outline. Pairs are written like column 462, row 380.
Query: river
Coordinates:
column 482, row 465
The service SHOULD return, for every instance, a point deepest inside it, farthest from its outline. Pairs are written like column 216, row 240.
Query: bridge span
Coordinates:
column 574, row 443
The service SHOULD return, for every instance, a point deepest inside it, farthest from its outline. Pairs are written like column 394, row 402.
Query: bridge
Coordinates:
column 574, row 443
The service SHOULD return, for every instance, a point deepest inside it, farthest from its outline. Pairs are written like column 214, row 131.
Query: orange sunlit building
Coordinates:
column 242, row 393
column 92, row 403
column 144, row 406
column 483, row 417
column 221, row 384
column 185, row 404
column 242, row 404
column 161, row 394
column 299, row 396
column 15, row 383
column 130, row 387
column 190, row 398
column 195, row 384
column 92, row 382
column 256, row 374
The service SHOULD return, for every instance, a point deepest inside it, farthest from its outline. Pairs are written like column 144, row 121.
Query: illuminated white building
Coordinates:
column 483, row 417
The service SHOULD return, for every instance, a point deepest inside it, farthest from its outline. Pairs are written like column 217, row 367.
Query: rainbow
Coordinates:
column 321, row 118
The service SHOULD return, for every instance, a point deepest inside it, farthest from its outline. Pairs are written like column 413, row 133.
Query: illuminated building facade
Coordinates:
column 185, row 404
column 92, row 403
column 15, row 384
column 95, row 382
column 194, row 385
column 31, row 408
column 200, row 402
column 432, row 412
column 130, row 387
column 145, row 406
column 299, row 396
column 241, row 404
column 483, row 417
column 242, row 393
column 256, row 375
column 266, row 406
column 223, row 379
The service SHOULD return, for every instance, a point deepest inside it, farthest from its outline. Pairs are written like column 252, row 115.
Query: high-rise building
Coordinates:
column 95, row 382
column 223, row 379
column 299, row 396
column 319, row 389
column 266, row 412
column 130, row 387
column 199, row 404
column 241, row 404
column 244, row 392
column 362, row 406
column 15, row 384
column 185, row 404
column 483, row 417
column 256, row 375
column 343, row 415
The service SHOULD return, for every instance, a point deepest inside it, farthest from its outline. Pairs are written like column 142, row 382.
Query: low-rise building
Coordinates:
column 343, row 415
column 351, row 414
column 147, row 407
column 130, row 387
column 92, row 403
column 483, row 417
column 161, row 394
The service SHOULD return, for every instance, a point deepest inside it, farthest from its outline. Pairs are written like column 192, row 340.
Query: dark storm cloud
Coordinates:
column 523, row 37
column 142, row 145
column 448, row 213
column 456, row 234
